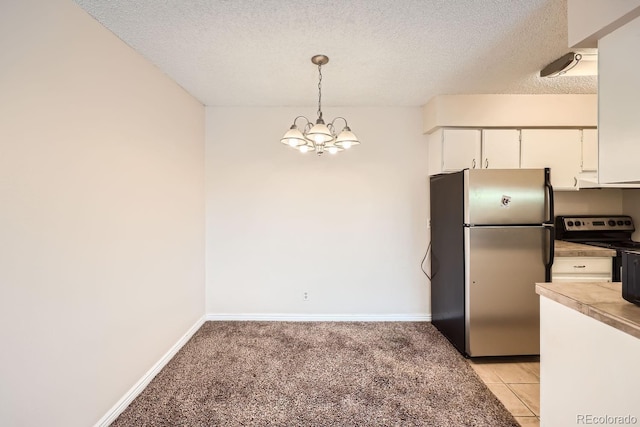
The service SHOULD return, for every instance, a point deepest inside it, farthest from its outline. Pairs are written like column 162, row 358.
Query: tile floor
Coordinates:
column 516, row 383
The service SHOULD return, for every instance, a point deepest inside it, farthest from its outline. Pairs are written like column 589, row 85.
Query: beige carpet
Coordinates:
column 316, row 374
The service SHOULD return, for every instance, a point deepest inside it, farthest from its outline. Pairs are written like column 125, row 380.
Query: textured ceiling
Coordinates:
column 382, row 52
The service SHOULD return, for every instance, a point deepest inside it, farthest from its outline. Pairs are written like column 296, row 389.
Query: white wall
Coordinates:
column 511, row 111
column 101, row 215
column 590, row 20
column 631, row 206
column 607, row 201
column 348, row 229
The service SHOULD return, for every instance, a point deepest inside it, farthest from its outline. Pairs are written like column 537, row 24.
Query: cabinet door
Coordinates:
column 618, row 94
column 500, row 149
column 460, row 149
column 589, row 150
column 558, row 149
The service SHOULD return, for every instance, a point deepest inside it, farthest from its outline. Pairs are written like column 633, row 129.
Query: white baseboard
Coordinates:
column 286, row 317
column 122, row 404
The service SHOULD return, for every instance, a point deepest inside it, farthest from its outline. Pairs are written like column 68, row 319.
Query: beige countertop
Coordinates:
column 601, row 301
column 566, row 249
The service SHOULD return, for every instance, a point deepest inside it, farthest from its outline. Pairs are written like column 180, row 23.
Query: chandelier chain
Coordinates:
column 319, row 91
column 320, row 137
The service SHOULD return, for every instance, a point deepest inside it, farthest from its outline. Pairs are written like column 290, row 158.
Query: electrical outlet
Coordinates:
column 305, row 296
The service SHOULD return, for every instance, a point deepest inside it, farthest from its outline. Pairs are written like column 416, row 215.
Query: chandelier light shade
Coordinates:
column 319, row 137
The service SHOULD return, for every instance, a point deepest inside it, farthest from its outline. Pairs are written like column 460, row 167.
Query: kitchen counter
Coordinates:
column 570, row 249
column 589, row 347
column 600, row 300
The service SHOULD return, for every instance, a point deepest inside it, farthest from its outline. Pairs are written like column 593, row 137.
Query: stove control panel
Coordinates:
column 596, row 223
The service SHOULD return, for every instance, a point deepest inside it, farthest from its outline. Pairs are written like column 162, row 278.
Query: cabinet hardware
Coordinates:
column 486, row 163
column 473, row 164
column 575, row 181
column 579, row 266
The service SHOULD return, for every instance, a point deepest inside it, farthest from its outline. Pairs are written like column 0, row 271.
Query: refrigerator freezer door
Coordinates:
column 502, row 308
column 505, row 196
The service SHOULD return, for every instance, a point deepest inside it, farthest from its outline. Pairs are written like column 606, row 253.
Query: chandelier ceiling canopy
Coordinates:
column 319, row 137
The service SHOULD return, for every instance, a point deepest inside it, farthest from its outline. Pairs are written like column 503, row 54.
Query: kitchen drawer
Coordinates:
column 582, row 265
column 565, row 278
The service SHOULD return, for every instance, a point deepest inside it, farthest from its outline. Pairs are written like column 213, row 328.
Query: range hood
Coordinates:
column 590, row 180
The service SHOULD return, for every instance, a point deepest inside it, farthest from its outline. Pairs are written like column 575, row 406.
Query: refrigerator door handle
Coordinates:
column 514, row 226
column 549, row 190
column 549, row 251
column 549, row 225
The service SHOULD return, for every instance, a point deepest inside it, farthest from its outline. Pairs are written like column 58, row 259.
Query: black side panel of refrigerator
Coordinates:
column 447, row 256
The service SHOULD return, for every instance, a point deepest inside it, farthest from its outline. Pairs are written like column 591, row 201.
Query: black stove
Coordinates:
column 605, row 231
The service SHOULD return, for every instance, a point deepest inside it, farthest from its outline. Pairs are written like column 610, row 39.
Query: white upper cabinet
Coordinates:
column 558, row 149
column 618, row 95
column 452, row 150
column 461, row 149
column 500, row 149
column 589, row 150
column 519, row 131
column 572, row 154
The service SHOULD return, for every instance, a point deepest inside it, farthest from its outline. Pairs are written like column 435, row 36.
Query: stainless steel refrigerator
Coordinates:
column 491, row 241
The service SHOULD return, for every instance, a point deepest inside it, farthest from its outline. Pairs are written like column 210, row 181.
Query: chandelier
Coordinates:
column 319, row 137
